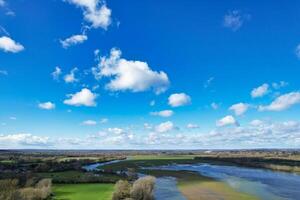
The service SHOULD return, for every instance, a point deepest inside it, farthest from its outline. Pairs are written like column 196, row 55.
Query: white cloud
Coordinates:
column 57, row 72
column 83, row 98
column 163, row 113
column 9, row 45
column 95, row 12
column 135, row 76
column 239, row 108
column 179, row 99
column 165, row 127
column 12, row 118
column 23, row 139
column 234, row 20
column 116, row 131
column 256, row 122
column 282, row 102
column 279, row 85
column 103, row 120
column 226, row 121
column 297, row 51
column 3, row 72
column 214, row 105
column 192, row 126
column 73, row 40
column 70, row 78
column 148, row 126
column 260, row 91
column 89, row 123
column 46, row 105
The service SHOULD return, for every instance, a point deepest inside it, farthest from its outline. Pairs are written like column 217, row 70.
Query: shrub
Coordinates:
column 142, row 188
column 8, row 189
column 122, row 190
column 42, row 190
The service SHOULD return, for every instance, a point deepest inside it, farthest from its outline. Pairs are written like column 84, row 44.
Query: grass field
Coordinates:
column 83, row 191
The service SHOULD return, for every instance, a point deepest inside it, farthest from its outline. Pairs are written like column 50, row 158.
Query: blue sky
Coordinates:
column 149, row 74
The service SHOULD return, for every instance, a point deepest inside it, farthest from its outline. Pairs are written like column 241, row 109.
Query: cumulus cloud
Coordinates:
column 282, row 102
column 165, row 127
column 83, row 98
column 70, row 78
column 260, row 91
column 235, row 19
column 117, row 131
column 239, row 108
column 148, row 126
column 73, row 40
column 46, row 105
column 192, row 126
column 163, row 113
column 23, row 139
column 56, row 73
column 95, row 12
column 226, row 121
column 135, row 76
column 89, row 123
column 9, row 45
column 179, row 99
column 256, row 122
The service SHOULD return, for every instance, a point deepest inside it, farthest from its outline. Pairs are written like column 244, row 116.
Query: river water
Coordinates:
column 265, row 184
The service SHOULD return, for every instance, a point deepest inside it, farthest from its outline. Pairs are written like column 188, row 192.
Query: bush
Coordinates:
column 122, row 190
column 9, row 189
column 142, row 188
column 42, row 190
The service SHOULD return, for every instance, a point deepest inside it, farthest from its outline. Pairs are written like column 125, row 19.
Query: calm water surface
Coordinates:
column 265, row 184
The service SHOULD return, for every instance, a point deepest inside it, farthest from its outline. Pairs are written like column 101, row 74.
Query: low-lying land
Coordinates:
column 71, row 181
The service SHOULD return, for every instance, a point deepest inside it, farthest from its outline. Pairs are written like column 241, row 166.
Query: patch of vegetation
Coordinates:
column 279, row 164
column 81, row 177
column 141, row 189
column 136, row 164
column 161, row 157
column 10, row 189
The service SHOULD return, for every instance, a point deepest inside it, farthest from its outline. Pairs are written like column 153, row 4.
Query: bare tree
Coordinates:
column 142, row 188
column 122, row 190
column 9, row 189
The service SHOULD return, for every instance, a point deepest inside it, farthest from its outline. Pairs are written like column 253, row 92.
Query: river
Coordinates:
column 265, row 184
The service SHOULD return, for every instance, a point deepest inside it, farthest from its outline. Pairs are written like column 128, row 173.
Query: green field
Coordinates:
column 83, row 191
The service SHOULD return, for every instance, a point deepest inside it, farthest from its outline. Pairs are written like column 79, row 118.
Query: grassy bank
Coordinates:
column 83, row 191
